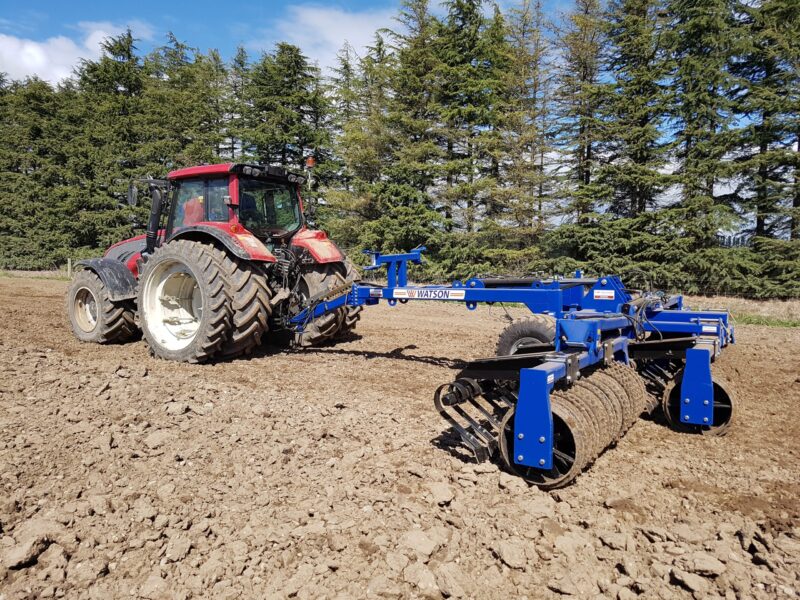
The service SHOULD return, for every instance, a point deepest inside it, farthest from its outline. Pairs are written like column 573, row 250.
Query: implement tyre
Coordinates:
column 526, row 335
column 184, row 307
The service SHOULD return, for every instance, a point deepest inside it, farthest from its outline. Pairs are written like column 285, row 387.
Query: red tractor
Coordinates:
column 227, row 256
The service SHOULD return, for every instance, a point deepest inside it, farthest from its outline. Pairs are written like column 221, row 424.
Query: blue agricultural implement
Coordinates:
column 569, row 381
column 228, row 257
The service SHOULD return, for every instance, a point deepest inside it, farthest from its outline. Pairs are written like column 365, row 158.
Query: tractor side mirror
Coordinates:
column 133, row 194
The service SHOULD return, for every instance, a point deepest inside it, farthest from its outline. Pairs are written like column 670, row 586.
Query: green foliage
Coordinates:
column 616, row 140
column 748, row 319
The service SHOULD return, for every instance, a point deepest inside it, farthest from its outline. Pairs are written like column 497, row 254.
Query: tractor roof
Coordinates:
column 246, row 169
column 201, row 170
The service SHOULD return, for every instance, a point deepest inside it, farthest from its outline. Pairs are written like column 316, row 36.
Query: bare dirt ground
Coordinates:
column 326, row 474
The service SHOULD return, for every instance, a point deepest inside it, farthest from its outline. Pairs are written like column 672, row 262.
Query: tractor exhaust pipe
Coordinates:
column 155, row 219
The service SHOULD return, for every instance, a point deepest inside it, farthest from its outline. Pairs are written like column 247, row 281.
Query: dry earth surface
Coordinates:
column 326, row 473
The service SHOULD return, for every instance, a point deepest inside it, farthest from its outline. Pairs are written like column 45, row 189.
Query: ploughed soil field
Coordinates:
column 327, row 473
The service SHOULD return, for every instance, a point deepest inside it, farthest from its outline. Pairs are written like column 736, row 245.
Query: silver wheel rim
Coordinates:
column 522, row 341
column 173, row 304
column 84, row 307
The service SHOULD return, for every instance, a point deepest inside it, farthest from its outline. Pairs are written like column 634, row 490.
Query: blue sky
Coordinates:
column 48, row 38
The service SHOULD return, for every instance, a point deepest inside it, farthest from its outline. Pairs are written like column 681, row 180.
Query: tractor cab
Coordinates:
column 264, row 200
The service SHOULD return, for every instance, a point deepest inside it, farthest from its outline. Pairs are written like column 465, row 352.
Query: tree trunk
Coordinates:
column 795, row 228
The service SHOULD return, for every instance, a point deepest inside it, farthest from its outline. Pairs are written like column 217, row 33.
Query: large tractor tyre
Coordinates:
column 526, row 335
column 184, row 307
column 250, row 304
column 314, row 283
column 352, row 313
column 93, row 316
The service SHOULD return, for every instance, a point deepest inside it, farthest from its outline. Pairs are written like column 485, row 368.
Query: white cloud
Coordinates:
column 54, row 58
column 320, row 31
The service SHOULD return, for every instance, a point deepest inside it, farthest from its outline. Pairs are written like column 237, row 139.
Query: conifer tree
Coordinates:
column 286, row 108
column 636, row 106
column 701, row 42
column 237, row 106
column 766, row 70
column 529, row 126
column 579, row 100
column 413, row 114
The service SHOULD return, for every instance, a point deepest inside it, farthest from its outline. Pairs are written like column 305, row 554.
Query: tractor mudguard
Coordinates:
column 119, row 281
column 318, row 245
column 240, row 242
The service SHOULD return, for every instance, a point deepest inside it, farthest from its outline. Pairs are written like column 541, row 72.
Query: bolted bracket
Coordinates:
column 697, row 388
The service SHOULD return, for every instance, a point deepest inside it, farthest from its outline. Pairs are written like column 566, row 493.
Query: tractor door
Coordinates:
column 197, row 201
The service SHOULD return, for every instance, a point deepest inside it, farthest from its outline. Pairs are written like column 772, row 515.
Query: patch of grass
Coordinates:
column 61, row 275
column 750, row 319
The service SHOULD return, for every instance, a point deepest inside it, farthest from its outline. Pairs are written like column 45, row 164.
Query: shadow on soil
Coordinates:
column 396, row 354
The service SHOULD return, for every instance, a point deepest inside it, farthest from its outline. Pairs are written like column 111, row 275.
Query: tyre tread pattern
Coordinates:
column 117, row 320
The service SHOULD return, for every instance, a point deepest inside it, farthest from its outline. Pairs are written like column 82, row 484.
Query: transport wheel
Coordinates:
column 313, row 283
column 570, row 447
column 724, row 407
column 184, row 308
column 527, row 335
column 250, row 303
column 93, row 316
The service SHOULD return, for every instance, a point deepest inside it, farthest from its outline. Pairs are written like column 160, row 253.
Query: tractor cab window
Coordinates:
column 200, row 200
column 269, row 208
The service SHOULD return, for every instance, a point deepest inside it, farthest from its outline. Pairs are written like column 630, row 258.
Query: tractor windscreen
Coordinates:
column 268, row 208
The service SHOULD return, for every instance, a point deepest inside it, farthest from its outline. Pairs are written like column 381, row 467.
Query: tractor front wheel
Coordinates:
column 352, row 313
column 315, row 283
column 93, row 316
column 184, row 307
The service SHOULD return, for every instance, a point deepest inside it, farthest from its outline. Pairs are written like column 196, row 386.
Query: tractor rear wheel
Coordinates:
column 184, row 307
column 527, row 335
column 250, row 303
column 93, row 316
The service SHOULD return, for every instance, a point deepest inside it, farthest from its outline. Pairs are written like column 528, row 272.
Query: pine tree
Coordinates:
column 764, row 102
column 702, row 35
column 236, row 107
column 105, row 112
column 286, row 108
column 579, row 100
column 413, row 112
column 636, row 107
column 529, row 126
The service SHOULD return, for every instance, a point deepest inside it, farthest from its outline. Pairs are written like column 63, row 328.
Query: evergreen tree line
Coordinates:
column 624, row 138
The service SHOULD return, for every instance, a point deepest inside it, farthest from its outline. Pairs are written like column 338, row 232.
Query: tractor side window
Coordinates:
column 189, row 207
column 284, row 206
column 217, row 209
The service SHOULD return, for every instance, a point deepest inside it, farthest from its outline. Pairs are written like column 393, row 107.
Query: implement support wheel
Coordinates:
column 724, row 407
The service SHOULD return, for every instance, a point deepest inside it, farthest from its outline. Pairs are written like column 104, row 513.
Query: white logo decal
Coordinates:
column 709, row 329
column 551, row 378
column 375, row 293
column 604, row 294
column 429, row 294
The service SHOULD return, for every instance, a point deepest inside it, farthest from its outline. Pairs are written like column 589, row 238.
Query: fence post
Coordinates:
column 69, row 268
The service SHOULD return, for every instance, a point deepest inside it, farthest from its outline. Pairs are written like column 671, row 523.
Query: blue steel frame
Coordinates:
column 592, row 326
